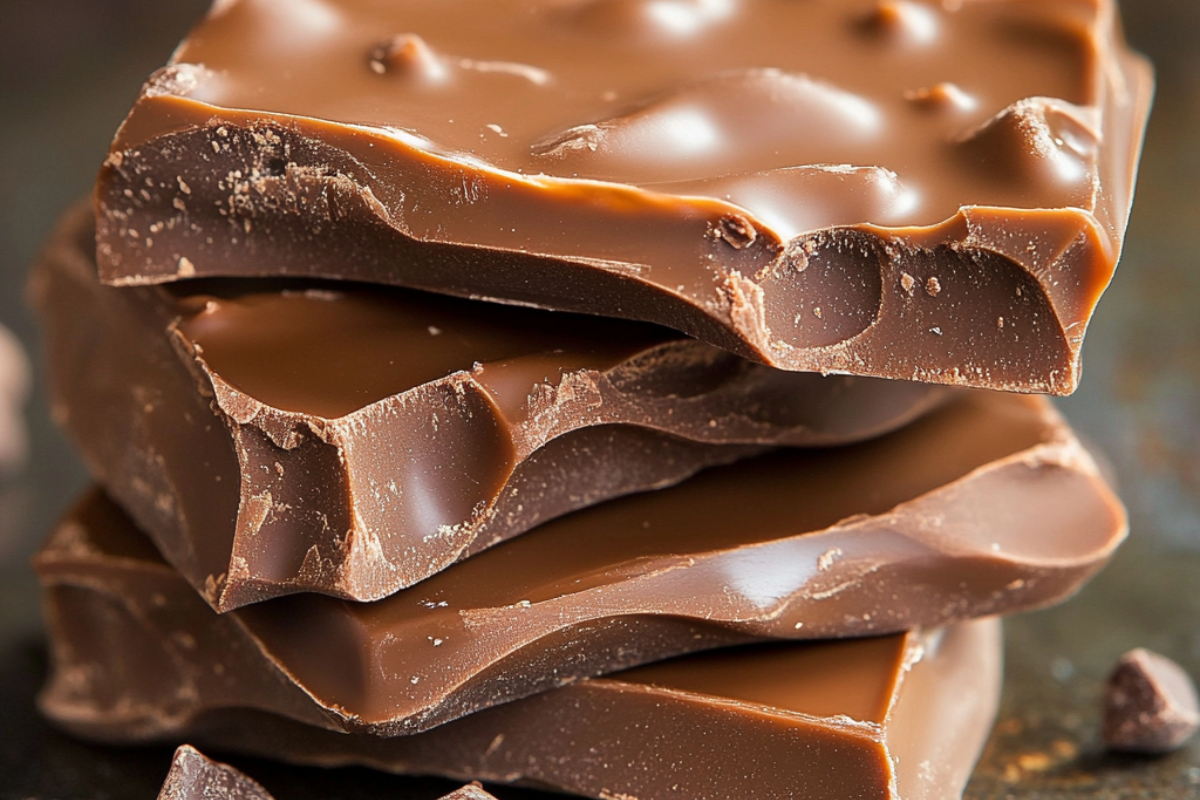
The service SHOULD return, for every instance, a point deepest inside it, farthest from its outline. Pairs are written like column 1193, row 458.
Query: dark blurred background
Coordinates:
column 69, row 69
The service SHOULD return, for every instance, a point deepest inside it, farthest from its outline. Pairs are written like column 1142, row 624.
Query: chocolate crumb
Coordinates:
column 1150, row 704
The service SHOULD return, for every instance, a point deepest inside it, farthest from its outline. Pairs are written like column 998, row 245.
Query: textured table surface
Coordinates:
column 69, row 69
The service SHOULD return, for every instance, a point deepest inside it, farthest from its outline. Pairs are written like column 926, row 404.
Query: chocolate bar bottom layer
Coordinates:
column 986, row 507
column 899, row 716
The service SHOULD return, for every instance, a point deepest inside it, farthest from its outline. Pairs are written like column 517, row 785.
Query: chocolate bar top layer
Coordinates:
column 931, row 191
column 902, row 716
column 195, row 776
column 286, row 436
column 984, row 507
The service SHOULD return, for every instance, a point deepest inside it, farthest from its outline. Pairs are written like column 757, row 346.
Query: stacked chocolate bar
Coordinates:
column 723, row 534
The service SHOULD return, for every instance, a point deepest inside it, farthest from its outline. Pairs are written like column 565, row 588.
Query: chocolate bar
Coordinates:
column 194, row 776
column 985, row 507
column 902, row 716
column 923, row 191
column 353, row 441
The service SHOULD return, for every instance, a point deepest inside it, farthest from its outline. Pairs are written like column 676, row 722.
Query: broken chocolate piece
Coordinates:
column 15, row 380
column 984, row 507
column 922, row 191
column 472, row 791
column 895, row 718
column 194, row 776
column 1150, row 704
column 353, row 441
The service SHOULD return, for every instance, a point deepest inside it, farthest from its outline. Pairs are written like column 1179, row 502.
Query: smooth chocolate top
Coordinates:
column 332, row 350
column 857, row 678
column 807, row 114
column 984, row 507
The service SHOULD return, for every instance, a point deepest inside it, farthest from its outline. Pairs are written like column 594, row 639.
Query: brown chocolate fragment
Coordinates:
column 472, row 791
column 194, row 776
column 984, row 507
column 902, row 716
column 277, row 438
column 1150, row 704
column 921, row 191
column 15, row 382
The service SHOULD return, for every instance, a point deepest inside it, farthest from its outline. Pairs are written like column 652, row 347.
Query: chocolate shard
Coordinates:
column 195, row 776
column 891, row 718
column 279, row 438
column 985, row 507
column 15, row 383
column 923, row 191
column 1150, row 704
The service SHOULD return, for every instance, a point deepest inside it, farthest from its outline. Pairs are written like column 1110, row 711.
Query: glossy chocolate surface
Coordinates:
column 929, row 191
column 195, row 776
column 985, row 507
column 900, row 717
column 352, row 440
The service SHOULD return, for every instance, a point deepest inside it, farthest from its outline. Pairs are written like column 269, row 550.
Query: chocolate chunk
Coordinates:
column 194, row 776
column 1150, row 704
column 903, row 716
column 984, row 507
column 276, row 438
column 681, row 163
column 15, row 379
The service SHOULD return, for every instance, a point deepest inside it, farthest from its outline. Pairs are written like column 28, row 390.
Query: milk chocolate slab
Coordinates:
column 923, row 190
column 985, row 507
column 276, row 438
column 902, row 716
column 195, row 776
